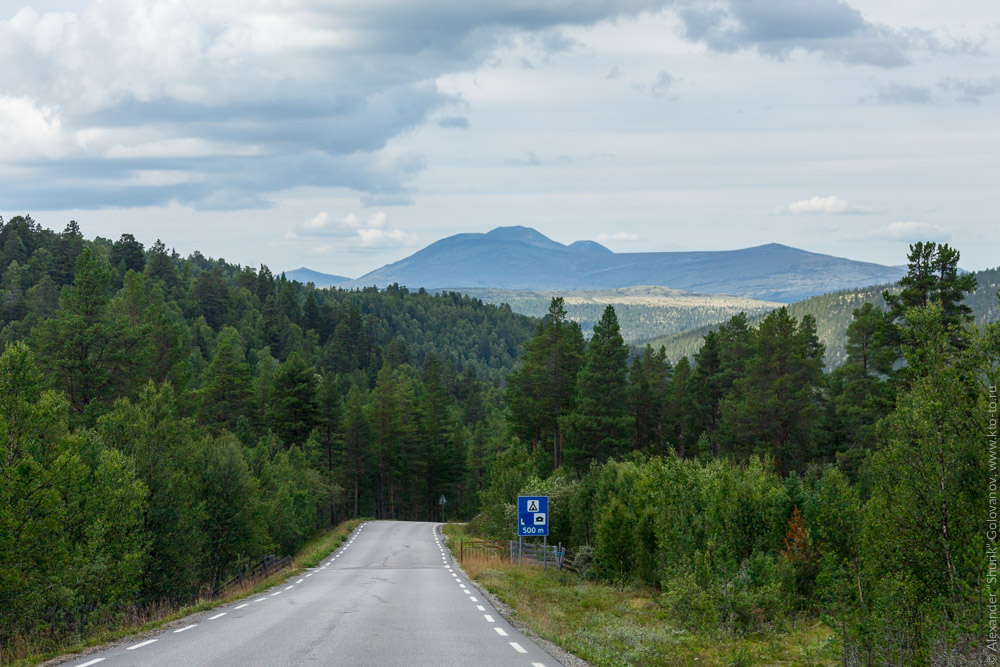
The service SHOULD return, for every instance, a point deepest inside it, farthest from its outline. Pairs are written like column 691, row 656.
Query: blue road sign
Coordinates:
column 532, row 516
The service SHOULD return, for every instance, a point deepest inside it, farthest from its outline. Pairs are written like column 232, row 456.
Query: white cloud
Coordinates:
column 318, row 221
column 362, row 231
column 822, row 205
column 28, row 130
column 604, row 237
column 910, row 232
column 386, row 237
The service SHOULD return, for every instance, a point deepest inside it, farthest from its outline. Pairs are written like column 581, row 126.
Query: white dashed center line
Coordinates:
column 141, row 644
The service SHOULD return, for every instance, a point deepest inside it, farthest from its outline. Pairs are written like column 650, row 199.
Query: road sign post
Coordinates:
column 442, row 502
column 532, row 516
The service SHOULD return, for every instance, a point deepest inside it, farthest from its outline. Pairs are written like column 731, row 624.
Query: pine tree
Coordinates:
column 543, row 389
column 774, row 407
column 293, row 410
column 355, row 434
column 598, row 428
column 649, row 387
column 226, row 383
column 88, row 355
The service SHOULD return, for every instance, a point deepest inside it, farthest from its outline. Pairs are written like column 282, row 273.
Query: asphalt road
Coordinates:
column 388, row 596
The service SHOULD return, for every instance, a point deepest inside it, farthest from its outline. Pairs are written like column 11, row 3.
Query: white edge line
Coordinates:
column 501, row 632
column 480, row 607
column 218, row 616
column 193, row 625
column 141, row 644
column 517, row 647
column 243, row 605
column 92, row 662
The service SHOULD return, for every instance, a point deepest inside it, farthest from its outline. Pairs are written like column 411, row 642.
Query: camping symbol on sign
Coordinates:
column 533, row 516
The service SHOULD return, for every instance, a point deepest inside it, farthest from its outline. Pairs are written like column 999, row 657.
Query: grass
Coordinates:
column 611, row 626
column 153, row 617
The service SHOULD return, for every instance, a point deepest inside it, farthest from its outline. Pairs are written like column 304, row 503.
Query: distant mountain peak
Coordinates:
column 588, row 246
column 305, row 276
column 519, row 257
column 523, row 234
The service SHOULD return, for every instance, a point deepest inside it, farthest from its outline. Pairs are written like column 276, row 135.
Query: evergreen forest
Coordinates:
column 166, row 420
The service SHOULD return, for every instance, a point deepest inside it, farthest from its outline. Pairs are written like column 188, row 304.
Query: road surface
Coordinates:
column 389, row 596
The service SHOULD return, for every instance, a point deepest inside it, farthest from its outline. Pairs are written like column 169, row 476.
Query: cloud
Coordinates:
column 776, row 28
column 614, row 73
column 529, row 159
column 386, row 238
column 822, row 205
column 604, row 237
column 972, row 91
column 909, row 232
column 460, row 122
column 28, row 130
column 894, row 93
column 248, row 98
column 371, row 231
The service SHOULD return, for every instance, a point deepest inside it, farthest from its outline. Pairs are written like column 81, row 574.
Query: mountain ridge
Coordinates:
column 519, row 257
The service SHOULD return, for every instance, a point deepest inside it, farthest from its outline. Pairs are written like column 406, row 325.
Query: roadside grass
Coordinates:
column 618, row 626
column 152, row 617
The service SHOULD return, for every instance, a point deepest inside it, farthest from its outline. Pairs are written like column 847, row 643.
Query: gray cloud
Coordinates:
column 460, row 122
column 895, row 93
column 775, row 28
column 222, row 106
column 529, row 159
column 972, row 90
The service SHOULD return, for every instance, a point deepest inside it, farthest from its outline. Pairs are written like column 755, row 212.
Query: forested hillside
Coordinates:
column 643, row 311
column 833, row 314
column 748, row 488
column 166, row 420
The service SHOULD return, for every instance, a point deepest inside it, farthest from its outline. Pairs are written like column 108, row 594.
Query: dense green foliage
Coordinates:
column 166, row 421
column 754, row 488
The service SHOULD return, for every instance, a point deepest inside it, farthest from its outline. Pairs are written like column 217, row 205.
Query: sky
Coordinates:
column 345, row 135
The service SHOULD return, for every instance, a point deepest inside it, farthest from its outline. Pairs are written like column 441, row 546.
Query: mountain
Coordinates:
column 305, row 276
column 522, row 258
column 834, row 312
